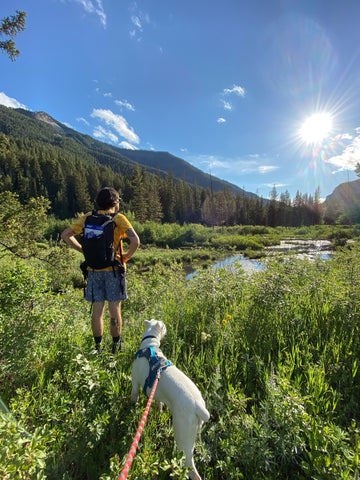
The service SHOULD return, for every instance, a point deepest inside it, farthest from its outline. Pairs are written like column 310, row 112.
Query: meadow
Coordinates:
column 275, row 355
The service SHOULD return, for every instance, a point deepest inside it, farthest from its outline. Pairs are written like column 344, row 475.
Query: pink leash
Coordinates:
column 130, row 457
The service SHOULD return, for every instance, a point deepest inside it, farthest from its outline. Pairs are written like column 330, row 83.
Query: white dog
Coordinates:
column 175, row 389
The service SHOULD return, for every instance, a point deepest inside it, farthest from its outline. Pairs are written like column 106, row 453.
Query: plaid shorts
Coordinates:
column 104, row 285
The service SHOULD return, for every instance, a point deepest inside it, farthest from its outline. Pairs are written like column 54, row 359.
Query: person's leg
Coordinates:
column 97, row 323
column 115, row 323
column 95, row 293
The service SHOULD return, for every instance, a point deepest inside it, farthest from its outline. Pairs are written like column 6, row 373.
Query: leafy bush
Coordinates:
column 275, row 355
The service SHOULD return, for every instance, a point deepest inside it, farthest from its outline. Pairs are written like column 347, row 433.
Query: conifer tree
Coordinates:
column 272, row 210
column 197, row 202
column 208, row 210
column 10, row 27
column 139, row 183
column 155, row 210
column 168, row 198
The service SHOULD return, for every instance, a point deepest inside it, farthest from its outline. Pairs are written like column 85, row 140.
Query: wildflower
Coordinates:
column 205, row 336
column 228, row 317
column 224, row 321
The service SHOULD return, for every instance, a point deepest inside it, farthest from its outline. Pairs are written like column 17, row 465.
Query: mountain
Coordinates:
column 344, row 202
column 182, row 170
column 40, row 126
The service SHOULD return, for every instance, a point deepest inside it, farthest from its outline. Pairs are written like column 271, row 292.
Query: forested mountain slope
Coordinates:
column 39, row 126
column 344, row 202
column 40, row 156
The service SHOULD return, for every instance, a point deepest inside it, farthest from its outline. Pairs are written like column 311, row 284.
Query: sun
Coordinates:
column 316, row 128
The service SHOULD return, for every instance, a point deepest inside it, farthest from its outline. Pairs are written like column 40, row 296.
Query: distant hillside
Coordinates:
column 181, row 169
column 344, row 202
column 40, row 126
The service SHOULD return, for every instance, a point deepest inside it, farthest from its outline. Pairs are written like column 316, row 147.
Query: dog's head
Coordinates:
column 154, row 328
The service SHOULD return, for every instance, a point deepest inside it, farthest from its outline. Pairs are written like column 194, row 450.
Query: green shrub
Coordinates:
column 275, row 355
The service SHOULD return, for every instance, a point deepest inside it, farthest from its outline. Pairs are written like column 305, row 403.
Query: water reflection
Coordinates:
column 310, row 249
column 249, row 266
column 303, row 248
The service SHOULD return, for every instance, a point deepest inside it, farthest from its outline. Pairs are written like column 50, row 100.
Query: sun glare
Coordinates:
column 316, row 128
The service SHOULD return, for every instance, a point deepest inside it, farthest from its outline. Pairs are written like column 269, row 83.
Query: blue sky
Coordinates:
column 224, row 84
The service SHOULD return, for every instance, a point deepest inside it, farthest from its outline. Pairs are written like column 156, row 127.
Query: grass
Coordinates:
column 275, row 355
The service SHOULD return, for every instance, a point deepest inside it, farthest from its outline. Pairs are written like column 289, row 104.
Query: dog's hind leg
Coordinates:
column 185, row 431
column 135, row 392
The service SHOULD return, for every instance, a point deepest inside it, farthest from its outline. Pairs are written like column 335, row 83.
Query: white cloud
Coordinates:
column 221, row 120
column 101, row 133
column 137, row 22
column 235, row 89
column 227, row 105
column 224, row 165
column 267, row 168
column 83, row 120
column 344, row 136
column 139, row 19
column 236, row 167
column 128, row 146
column 350, row 156
column 118, row 123
column 10, row 102
column 276, row 185
column 94, row 6
column 125, row 104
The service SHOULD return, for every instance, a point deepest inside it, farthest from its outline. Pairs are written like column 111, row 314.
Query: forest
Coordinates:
column 42, row 157
column 70, row 181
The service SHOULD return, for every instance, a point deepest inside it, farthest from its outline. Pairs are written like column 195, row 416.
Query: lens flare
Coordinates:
column 316, row 128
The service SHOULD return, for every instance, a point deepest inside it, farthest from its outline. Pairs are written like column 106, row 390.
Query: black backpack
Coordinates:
column 97, row 241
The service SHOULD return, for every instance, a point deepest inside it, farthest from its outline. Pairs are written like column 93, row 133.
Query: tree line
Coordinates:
column 70, row 182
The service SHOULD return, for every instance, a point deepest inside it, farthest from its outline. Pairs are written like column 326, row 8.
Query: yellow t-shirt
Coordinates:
column 122, row 225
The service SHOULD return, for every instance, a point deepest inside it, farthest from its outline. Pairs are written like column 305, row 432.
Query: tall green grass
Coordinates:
column 275, row 355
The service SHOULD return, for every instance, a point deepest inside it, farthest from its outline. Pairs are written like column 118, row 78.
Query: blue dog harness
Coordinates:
column 157, row 363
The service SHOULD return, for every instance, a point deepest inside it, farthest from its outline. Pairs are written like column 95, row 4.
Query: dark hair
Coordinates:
column 107, row 197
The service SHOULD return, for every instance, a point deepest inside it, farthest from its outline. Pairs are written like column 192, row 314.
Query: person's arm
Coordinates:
column 68, row 235
column 133, row 246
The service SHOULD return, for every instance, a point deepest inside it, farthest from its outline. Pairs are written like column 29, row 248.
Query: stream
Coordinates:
column 301, row 248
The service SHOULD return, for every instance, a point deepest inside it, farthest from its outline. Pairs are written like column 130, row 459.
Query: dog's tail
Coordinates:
column 202, row 412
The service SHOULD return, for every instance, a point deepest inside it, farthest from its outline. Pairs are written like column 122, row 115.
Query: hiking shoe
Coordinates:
column 117, row 347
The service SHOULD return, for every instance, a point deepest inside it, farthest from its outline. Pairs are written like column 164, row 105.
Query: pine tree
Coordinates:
column 168, row 198
column 197, row 202
column 155, row 211
column 272, row 210
column 11, row 26
column 139, row 204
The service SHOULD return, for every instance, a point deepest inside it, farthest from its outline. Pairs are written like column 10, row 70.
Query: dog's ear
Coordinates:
column 161, row 328
column 147, row 322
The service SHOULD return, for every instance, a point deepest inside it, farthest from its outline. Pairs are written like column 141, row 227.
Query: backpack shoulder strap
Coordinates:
column 118, row 248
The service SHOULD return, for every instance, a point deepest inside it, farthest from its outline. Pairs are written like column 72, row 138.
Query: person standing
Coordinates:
column 105, row 284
